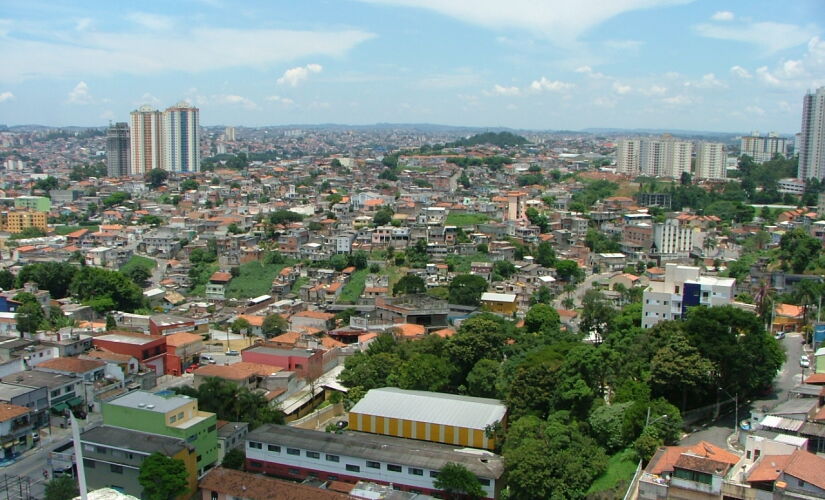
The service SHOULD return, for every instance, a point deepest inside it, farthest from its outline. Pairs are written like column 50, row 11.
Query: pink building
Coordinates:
column 304, row 362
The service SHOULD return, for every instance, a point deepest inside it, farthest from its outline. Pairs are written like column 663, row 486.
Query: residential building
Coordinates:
column 15, row 221
column 15, row 430
column 683, row 287
column 408, row 465
column 429, row 416
column 35, row 203
column 696, row 472
column 146, row 141
column 63, row 391
column 181, row 136
column 174, row 416
column 763, row 148
column 502, row 303
column 112, row 457
column 811, row 145
column 711, row 160
column 662, row 157
column 118, row 152
column 228, row 484
column 790, row 185
column 216, row 287
column 671, row 238
column 34, row 398
column 150, row 350
column 627, row 156
column 231, row 435
column 305, row 362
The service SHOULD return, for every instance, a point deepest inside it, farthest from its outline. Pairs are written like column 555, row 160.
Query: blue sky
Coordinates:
column 537, row 64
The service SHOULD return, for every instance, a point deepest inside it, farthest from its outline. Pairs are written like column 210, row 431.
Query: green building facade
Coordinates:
column 36, row 203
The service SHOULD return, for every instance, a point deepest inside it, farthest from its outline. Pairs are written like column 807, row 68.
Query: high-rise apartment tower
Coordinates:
column 117, row 150
column 811, row 145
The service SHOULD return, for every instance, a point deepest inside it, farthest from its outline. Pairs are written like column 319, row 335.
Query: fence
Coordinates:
column 706, row 412
column 634, row 483
column 312, row 420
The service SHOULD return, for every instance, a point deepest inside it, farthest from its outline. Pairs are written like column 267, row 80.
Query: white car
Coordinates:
column 804, row 362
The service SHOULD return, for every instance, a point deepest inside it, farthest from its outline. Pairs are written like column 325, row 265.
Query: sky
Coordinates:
column 728, row 66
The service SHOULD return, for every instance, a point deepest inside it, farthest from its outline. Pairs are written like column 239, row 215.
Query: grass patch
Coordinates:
column 354, row 287
column 620, row 470
column 138, row 261
column 461, row 263
column 199, row 281
column 255, row 279
column 64, row 230
column 296, row 287
column 461, row 220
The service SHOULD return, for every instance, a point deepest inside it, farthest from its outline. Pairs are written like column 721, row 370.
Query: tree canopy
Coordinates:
column 162, row 477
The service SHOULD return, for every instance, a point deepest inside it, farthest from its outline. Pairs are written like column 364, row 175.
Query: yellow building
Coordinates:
column 15, row 221
column 429, row 416
column 503, row 303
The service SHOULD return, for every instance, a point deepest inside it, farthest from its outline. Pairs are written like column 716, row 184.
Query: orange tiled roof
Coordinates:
column 768, row 469
column 73, row 365
column 807, row 467
column 409, row 330
column 8, row 411
column 789, row 310
column 253, row 319
column 182, row 338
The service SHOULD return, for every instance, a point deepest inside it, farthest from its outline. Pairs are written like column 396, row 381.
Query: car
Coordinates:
column 804, row 362
column 232, row 352
column 779, row 335
column 191, row 368
column 207, row 359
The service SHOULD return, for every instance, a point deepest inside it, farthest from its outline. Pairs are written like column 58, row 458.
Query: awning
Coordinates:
column 60, row 407
column 75, row 401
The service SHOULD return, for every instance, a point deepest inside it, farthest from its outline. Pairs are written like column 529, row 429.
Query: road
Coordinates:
column 789, row 376
column 581, row 289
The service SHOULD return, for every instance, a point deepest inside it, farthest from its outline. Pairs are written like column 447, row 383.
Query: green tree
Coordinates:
column 458, row 482
column 111, row 324
column 464, row 179
column 797, row 249
column 274, row 324
column 139, row 274
column 28, row 317
column 479, row 337
column 162, row 477
column 189, row 185
column 156, row 177
column 240, row 325
column 105, row 290
column 541, row 296
column 545, row 255
column 466, row 289
column 542, row 318
column 383, row 216
column 569, row 270
column 423, row 372
column 504, row 268
column 409, row 284
column 233, row 403
column 234, row 459
column 678, row 368
column 482, row 379
column 606, row 423
column 6, row 279
column 597, row 315
column 61, row 488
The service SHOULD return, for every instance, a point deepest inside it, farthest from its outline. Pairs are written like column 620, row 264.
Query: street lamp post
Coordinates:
column 647, row 419
column 735, row 410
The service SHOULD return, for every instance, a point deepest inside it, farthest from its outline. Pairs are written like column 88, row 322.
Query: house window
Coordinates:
column 801, row 483
column 313, row 454
column 676, row 289
column 293, row 451
column 415, row 472
column 180, row 416
column 433, row 473
column 272, row 447
column 353, row 468
column 394, row 468
column 116, row 469
column 257, row 446
column 89, row 464
column 214, row 495
column 483, row 481
column 333, row 458
column 373, row 465
column 172, row 419
column 332, row 477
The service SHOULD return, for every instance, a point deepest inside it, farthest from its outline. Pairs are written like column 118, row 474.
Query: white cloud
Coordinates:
column 723, row 15
column 604, row 102
column 755, row 110
column 80, row 94
column 191, row 50
column 83, row 24
column 502, row 90
column 740, row 72
column 149, row 99
column 294, row 76
column 150, row 21
column 708, row 81
column 6, row 96
column 769, row 36
column 678, row 100
column 798, row 74
column 621, row 89
column 654, row 90
column 234, row 100
column 559, row 20
column 587, row 70
column 280, row 100
column 543, row 84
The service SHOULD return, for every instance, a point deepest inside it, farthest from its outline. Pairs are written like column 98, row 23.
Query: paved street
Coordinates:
column 788, row 377
column 581, row 289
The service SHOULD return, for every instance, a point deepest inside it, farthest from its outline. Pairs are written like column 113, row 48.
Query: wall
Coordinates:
column 474, row 438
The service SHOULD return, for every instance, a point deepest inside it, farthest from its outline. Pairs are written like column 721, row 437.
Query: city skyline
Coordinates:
column 668, row 64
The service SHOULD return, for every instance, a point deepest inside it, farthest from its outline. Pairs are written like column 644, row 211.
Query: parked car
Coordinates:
column 779, row 335
column 207, row 359
column 804, row 362
column 191, row 368
column 232, row 352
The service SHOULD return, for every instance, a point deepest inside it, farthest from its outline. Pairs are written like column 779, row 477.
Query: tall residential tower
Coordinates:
column 117, row 150
column 811, row 145
column 181, row 132
column 146, row 147
column 711, row 160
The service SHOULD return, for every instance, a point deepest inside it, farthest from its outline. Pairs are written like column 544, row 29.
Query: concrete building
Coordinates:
column 173, row 416
column 181, row 138
column 502, row 303
column 36, row 203
column 627, row 156
column 34, row 398
column 711, row 160
column 811, row 145
column 763, row 148
column 15, row 430
column 228, row 484
column 63, row 391
column 146, row 142
column 682, row 288
column 407, row 465
column 662, row 157
column 15, row 221
column 118, row 152
column 149, row 350
column 671, row 238
column 428, row 416
column 112, row 457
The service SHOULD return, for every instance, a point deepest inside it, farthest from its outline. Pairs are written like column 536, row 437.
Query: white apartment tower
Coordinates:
column 711, row 160
column 627, row 156
column 181, row 131
column 146, row 147
column 671, row 238
column 811, row 145
column 763, row 148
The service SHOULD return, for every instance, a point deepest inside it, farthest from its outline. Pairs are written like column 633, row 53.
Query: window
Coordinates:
column 172, row 419
column 433, row 473
column 100, row 449
column 214, row 495
column 180, row 416
column 272, row 447
column 333, row 458
column 394, row 468
column 483, row 481
column 293, row 451
column 89, row 464
column 116, row 469
column 415, row 472
column 313, row 454
column 353, row 468
column 257, row 446
column 801, row 483
column 56, row 393
column 88, row 447
column 373, row 465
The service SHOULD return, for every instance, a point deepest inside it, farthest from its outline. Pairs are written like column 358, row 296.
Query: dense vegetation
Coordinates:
column 500, row 139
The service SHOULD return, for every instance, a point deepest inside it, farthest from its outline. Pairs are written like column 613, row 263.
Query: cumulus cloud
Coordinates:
column 740, row 72
column 798, row 74
column 280, row 100
column 678, row 100
column 654, row 90
column 234, row 100
column 708, row 81
column 507, row 91
column 621, row 88
column 755, row 110
column 80, row 94
column 587, row 70
column 769, row 36
column 543, row 84
column 29, row 55
column 723, row 15
column 6, row 96
column 294, row 76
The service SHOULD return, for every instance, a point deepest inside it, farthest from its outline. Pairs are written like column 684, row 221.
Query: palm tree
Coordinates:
column 762, row 298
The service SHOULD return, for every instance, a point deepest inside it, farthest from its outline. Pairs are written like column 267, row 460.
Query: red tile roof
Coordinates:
column 73, row 365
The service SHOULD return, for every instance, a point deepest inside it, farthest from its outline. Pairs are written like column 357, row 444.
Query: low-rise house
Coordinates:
column 15, row 430
column 63, row 391
column 228, row 484
column 150, row 350
column 35, row 399
column 231, row 435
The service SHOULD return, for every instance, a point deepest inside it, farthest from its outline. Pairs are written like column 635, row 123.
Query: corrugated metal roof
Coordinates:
column 787, row 424
column 431, row 407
